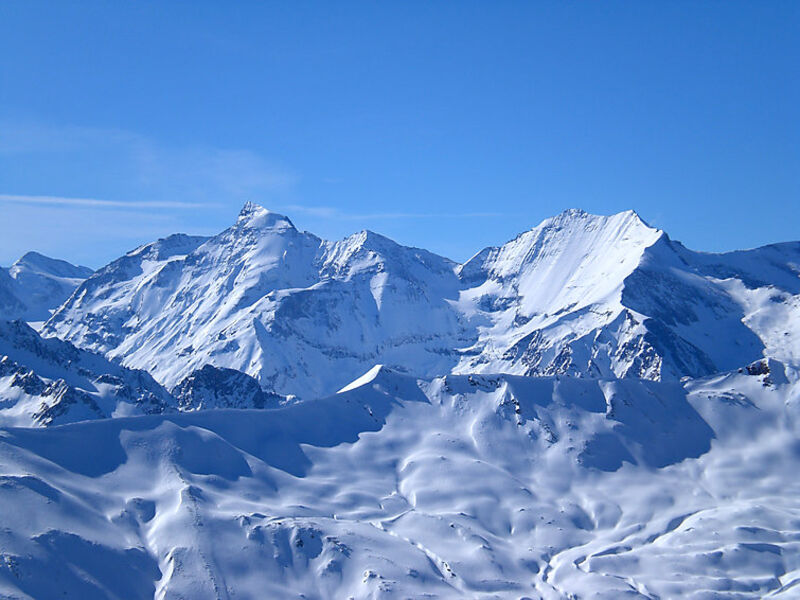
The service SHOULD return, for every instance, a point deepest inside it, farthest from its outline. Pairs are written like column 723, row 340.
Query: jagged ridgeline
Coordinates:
column 579, row 294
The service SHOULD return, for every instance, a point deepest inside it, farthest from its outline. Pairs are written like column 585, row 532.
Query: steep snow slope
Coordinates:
column 579, row 294
column 276, row 303
column 34, row 286
column 50, row 382
column 464, row 486
column 611, row 296
column 546, row 295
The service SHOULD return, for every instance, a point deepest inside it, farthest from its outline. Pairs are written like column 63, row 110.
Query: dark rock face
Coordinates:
column 214, row 387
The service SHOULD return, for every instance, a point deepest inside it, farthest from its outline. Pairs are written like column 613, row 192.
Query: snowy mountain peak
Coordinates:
column 361, row 246
column 36, row 284
column 255, row 216
column 39, row 263
column 372, row 240
column 566, row 256
column 577, row 219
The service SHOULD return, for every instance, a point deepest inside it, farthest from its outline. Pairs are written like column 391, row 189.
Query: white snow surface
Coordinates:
column 35, row 285
column 483, row 486
column 579, row 294
column 588, row 411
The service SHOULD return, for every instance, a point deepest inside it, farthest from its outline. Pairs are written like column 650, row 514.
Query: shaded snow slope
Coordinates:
column 465, row 486
column 579, row 294
column 34, row 286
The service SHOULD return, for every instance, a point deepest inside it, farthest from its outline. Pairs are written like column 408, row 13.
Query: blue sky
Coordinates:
column 448, row 125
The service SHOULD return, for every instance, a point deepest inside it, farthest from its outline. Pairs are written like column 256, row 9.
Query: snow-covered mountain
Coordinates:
column 460, row 487
column 579, row 294
column 34, row 286
column 611, row 296
column 590, row 410
column 300, row 314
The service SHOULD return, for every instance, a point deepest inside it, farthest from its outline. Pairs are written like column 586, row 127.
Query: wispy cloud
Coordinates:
column 330, row 212
column 96, row 203
column 141, row 165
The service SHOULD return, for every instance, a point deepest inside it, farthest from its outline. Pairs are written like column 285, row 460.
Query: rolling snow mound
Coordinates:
column 485, row 486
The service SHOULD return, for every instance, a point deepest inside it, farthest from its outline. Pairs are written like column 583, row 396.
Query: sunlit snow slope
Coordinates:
column 460, row 487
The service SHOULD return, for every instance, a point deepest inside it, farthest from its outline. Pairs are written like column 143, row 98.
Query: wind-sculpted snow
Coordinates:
column 484, row 486
column 579, row 294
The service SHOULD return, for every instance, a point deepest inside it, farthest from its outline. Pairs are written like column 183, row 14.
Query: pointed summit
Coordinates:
column 619, row 227
column 255, row 216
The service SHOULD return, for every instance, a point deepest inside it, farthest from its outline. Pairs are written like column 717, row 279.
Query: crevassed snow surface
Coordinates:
column 579, row 294
column 461, row 487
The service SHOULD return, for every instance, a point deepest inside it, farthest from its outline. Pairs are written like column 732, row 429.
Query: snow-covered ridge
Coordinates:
column 580, row 294
column 47, row 381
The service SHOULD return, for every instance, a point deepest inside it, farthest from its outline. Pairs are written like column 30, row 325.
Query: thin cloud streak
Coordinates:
column 97, row 203
column 330, row 212
column 144, row 166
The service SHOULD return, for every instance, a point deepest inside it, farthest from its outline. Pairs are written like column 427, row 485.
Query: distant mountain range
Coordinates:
column 579, row 294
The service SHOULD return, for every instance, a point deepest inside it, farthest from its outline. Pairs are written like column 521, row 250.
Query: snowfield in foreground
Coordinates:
column 458, row 487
